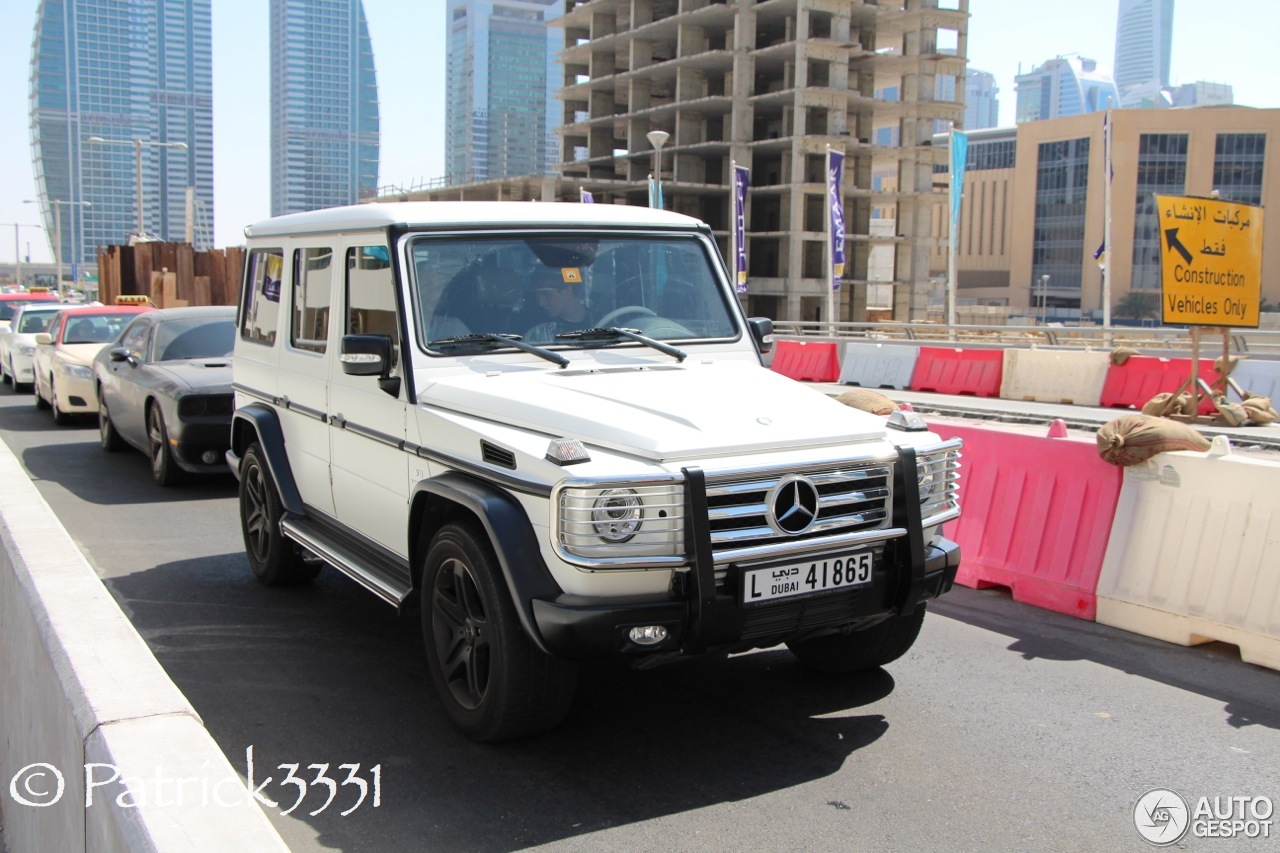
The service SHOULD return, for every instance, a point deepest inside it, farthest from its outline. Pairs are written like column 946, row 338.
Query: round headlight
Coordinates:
column 616, row 514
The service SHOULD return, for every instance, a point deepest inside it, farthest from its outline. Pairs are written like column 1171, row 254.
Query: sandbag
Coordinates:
column 1260, row 410
column 1120, row 355
column 868, row 401
column 1232, row 414
column 1132, row 439
column 1230, row 361
column 1159, row 405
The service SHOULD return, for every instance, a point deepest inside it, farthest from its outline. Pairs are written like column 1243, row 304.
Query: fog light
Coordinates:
column 648, row 635
column 209, row 457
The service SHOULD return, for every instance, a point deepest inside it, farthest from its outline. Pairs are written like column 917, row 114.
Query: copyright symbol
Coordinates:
column 39, row 785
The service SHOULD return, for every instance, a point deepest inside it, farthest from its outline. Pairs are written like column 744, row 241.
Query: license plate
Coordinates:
column 825, row 575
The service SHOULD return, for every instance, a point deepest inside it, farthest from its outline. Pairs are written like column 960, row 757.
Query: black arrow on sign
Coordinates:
column 1171, row 237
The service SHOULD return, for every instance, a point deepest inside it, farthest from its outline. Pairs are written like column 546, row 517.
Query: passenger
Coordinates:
column 561, row 300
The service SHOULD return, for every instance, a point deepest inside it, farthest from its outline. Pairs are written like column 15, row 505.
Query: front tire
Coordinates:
column 164, row 469
column 60, row 417
column 869, row 648
column 274, row 559
column 494, row 682
column 108, row 435
column 41, row 403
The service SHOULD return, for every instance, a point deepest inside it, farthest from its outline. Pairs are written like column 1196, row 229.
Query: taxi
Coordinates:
column 63, row 360
column 18, row 341
column 10, row 302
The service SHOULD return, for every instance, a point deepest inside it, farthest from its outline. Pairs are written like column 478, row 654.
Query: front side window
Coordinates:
column 312, row 278
column 541, row 286
column 260, row 314
column 134, row 338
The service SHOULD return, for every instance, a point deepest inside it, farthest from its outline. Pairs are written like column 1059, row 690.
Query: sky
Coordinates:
column 1222, row 41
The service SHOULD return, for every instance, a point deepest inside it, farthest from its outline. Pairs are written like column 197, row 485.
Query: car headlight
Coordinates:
column 938, row 473
column 623, row 524
column 77, row 370
column 26, row 349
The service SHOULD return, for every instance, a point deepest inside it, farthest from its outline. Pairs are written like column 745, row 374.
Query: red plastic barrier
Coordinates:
column 959, row 371
column 1035, row 517
column 1142, row 377
column 807, row 361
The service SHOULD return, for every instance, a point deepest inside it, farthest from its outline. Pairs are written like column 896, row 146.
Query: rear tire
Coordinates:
column 495, row 684
column 274, row 559
column 869, row 648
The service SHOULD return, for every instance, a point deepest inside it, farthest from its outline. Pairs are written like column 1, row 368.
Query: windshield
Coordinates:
column 32, row 322
column 195, row 338
column 94, row 328
column 537, row 287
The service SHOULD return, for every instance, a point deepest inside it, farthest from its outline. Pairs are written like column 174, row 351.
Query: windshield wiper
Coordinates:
column 614, row 334
column 490, row 341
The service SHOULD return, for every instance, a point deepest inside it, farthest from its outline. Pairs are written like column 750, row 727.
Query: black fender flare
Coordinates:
column 265, row 424
column 509, row 530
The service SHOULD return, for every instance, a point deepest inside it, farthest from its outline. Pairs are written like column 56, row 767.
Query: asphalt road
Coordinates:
column 1005, row 728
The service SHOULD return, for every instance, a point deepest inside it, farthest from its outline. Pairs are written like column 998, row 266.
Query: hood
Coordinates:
column 203, row 374
column 663, row 412
column 80, row 353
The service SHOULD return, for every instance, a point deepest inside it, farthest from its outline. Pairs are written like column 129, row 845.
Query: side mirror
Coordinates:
column 370, row 355
column 118, row 354
column 44, row 338
column 762, row 332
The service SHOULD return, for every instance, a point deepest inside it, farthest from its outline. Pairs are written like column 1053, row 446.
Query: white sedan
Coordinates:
column 18, row 342
column 63, row 362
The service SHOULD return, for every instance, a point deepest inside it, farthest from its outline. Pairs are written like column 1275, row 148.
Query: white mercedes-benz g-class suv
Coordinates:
column 548, row 426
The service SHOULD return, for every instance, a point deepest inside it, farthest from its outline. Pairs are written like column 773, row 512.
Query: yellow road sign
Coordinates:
column 1210, row 261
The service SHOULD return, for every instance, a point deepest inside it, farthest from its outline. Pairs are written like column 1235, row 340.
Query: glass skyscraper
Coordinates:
column 502, row 113
column 1144, row 35
column 324, row 106
column 122, row 70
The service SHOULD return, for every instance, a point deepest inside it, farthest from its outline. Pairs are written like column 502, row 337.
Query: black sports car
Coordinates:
column 164, row 386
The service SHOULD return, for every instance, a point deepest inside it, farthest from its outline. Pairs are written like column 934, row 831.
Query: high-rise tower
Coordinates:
column 1144, row 35
column 137, row 76
column 502, row 112
column 324, row 105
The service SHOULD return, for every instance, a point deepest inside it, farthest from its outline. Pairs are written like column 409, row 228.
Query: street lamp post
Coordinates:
column 1044, row 299
column 658, row 138
column 141, row 234
column 58, row 204
column 17, row 249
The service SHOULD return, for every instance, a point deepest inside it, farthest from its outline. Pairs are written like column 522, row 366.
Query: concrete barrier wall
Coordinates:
column 79, row 686
column 878, row 365
column 1260, row 378
column 1194, row 554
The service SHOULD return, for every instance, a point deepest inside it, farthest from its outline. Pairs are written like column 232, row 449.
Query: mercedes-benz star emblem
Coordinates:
column 794, row 506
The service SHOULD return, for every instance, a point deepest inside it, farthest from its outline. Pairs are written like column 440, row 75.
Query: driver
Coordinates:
column 558, row 293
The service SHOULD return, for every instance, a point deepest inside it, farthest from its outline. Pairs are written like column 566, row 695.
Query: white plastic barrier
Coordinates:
column 1260, row 378
column 1054, row 376
column 878, row 365
column 1194, row 554
column 79, row 687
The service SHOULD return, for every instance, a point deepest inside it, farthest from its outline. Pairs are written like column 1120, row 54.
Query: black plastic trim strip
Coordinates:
column 702, row 574
column 907, row 513
column 265, row 423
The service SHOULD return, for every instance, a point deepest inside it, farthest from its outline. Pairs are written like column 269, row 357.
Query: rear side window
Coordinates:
column 312, row 277
column 260, row 316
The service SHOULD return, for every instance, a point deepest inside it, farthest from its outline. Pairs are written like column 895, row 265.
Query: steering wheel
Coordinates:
column 611, row 318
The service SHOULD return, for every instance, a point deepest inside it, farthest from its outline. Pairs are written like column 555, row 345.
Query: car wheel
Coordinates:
column 41, row 403
column 273, row 558
column 4, row 374
column 108, row 436
column 164, row 470
column 869, row 648
column 60, row 417
column 494, row 682
column 17, row 386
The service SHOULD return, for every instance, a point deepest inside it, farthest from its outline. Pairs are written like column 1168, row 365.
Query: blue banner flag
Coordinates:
column 959, row 154
column 835, row 179
column 741, row 182
column 585, row 197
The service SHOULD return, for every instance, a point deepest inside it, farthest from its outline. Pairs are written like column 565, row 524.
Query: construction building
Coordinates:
column 769, row 86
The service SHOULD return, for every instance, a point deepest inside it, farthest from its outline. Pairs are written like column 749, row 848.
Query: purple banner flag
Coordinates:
column 835, row 176
column 585, row 197
column 741, row 182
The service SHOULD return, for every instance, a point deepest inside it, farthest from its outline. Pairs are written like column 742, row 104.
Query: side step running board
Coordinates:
column 381, row 576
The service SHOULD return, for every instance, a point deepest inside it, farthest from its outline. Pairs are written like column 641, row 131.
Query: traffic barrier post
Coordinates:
column 958, row 371
column 1193, row 554
column 1054, row 376
column 1036, row 514
column 878, row 365
column 806, row 361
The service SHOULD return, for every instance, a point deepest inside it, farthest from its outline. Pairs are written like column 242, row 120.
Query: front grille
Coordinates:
column 205, row 405
column 851, row 497
column 939, row 470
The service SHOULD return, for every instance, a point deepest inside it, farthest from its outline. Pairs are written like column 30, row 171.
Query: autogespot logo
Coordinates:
column 1161, row 816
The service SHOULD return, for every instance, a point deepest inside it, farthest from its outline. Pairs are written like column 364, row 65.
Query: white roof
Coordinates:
column 436, row 214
